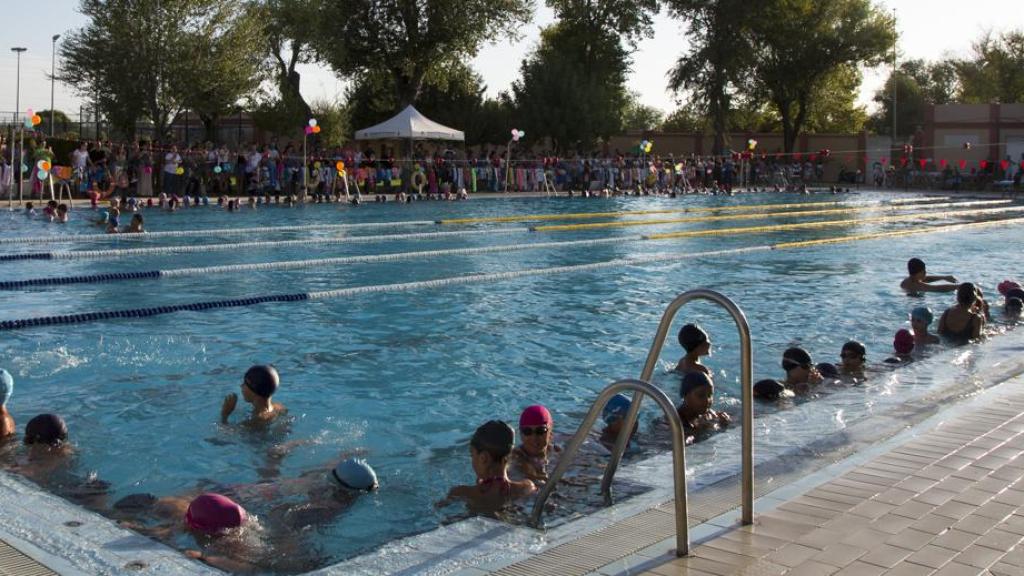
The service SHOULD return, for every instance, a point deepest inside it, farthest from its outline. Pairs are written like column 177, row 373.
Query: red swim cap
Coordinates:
column 212, row 513
column 535, row 415
column 903, row 342
column 1007, row 285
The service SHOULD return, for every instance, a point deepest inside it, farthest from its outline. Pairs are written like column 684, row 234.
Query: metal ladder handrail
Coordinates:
column 640, row 388
column 746, row 377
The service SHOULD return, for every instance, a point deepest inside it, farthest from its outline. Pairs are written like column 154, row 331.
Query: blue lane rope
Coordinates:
column 451, row 281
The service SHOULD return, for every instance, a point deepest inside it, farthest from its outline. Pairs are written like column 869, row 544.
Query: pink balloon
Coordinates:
column 309, row 130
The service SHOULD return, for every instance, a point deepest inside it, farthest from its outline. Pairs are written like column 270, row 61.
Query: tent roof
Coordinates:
column 410, row 124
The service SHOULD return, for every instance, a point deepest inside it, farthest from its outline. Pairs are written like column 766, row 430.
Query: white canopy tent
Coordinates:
column 409, row 124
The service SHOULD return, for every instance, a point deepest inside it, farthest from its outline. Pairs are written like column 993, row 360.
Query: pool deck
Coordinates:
column 948, row 501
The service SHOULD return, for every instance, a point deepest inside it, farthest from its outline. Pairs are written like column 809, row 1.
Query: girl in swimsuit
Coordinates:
column 963, row 322
column 489, row 450
column 531, row 457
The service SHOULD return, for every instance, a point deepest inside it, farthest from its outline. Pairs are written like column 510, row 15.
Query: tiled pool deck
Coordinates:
column 945, row 498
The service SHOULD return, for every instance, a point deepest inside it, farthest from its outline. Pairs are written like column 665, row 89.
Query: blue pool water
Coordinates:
column 405, row 377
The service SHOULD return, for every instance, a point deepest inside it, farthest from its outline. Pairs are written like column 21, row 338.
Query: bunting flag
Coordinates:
column 963, row 164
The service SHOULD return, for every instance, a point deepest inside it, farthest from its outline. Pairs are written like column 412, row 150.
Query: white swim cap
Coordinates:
column 355, row 474
column 6, row 386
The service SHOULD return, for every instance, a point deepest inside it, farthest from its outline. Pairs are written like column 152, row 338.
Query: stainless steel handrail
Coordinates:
column 640, row 388
column 746, row 377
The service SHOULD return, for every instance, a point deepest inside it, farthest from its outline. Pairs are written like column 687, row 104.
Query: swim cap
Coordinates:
column 768, row 389
column 692, row 381
column 1006, row 285
column 903, row 342
column 691, row 336
column 6, row 386
column 104, row 216
column 212, row 513
column 794, row 358
column 47, row 429
column 852, row 346
column 535, row 415
column 1015, row 293
column 922, row 314
column 616, row 408
column 1012, row 303
column 355, row 474
column 494, row 437
column 828, row 370
column 262, row 380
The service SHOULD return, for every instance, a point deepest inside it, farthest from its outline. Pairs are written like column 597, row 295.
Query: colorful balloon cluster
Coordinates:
column 312, row 127
column 646, row 146
column 517, row 134
column 32, row 119
column 340, row 166
column 751, row 144
column 44, row 169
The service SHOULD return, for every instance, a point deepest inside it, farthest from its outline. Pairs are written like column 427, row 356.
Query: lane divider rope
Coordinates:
column 471, row 279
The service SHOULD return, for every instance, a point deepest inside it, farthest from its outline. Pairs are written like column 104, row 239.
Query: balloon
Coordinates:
column 24, row 168
column 46, row 165
column 233, row 181
column 922, row 162
column 179, row 171
column 40, row 164
column 41, row 175
column 316, row 129
column 148, row 169
column 751, row 144
column 216, row 169
column 28, row 123
column 943, row 162
column 340, row 166
column 316, row 165
column 36, row 119
column 341, row 173
column 1004, row 164
column 312, row 122
column 30, row 112
column 983, row 164
column 515, row 133
column 963, row 164
column 309, row 130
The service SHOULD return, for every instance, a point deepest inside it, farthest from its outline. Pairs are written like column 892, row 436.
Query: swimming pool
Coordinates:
column 406, row 376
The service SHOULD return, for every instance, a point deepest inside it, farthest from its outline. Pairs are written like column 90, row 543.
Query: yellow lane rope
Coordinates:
column 586, row 215
column 692, row 219
column 876, row 235
column 830, row 223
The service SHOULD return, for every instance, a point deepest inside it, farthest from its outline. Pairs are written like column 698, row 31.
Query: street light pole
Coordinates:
column 17, row 110
column 53, row 78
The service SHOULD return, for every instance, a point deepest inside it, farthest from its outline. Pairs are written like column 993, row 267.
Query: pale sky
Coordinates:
column 928, row 29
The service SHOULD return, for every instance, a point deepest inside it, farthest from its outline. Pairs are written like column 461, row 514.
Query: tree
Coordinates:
column 994, row 74
column 715, row 67
column 408, row 40
column 833, row 107
column 557, row 97
column 918, row 84
column 638, row 116
column 60, row 120
column 291, row 28
column 802, row 43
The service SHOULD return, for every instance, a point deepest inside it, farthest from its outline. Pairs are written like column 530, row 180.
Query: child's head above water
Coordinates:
column 692, row 337
column 697, row 391
column 915, row 266
column 495, row 439
column 355, row 474
column 616, row 408
column 903, row 342
column 214, row 513
column 922, row 315
column 794, row 358
column 46, row 429
column 6, row 386
column 262, row 380
column 769, row 390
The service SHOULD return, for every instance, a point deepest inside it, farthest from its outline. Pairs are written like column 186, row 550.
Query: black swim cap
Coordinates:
column 48, row 429
column 828, row 370
column 262, row 380
column 692, row 381
column 915, row 265
column 1015, row 293
column 966, row 294
column 794, row 358
column 691, row 336
column 494, row 437
column 768, row 389
column 855, row 347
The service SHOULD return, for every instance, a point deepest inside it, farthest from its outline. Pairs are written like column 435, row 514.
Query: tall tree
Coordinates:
column 410, row 39
column 291, row 28
column 994, row 72
column 918, row 85
column 715, row 67
column 802, row 43
column 639, row 116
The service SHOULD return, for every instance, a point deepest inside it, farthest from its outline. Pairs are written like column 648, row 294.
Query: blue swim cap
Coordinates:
column 922, row 313
column 6, row 386
column 104, row 215
column 355, row 474
column 616, row 408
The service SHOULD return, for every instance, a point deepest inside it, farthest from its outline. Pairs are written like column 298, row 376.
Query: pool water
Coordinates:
column 403, row 378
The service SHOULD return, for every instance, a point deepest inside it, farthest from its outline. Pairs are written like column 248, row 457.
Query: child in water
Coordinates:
column 801, row 374
column 903, row 343
column 918, row 279
column 698, row 394
column 489, row 451
column 537, row 429
column 920, row 318
column 258, row 386
column 112, row 221
column 853, row 355
column 696, row 343
column 614, row 416
column 136, row 225
column 7, row 427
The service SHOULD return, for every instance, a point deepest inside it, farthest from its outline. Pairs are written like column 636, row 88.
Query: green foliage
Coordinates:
column 411, row 40
column 833, row 108
column 291, row 26
column 637, row 116
column 333, row 120
column 918, row 85
column 573, row 88
column 995, row 72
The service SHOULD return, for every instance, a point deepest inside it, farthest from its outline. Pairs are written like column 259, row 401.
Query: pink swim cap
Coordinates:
column 535, row 415
column 212, row 513
column 903, row 342
column 1007, row 285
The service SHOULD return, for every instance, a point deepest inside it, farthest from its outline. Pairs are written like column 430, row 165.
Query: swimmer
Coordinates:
column 136, row 225
column 920, row 318
column 1012, row 308
column 964, row 321
column 29, row 209
column 50, row 212
column 903, row 343
column 537, row 429
column 696, row 343
column 104, row 217
column 614, row 416
column 828, row 371
column 62, row 213
column 258, row 386
column 698, row 394
column 489, row 451
column 7, row 427
column 1004, row 287
column 112, row 221
column 919, row 280
column 853, row 356
column 801, row 374
column 771, row 390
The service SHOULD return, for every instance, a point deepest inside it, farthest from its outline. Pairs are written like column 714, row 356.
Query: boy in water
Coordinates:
column 614, row 416
column 919, row 280
column 801, row 374
column 853, row 356
column 136, row 225
column 920, row 318
column 258, row 386
column 698, row 394
column 489, row 451
column 696, row 343
column 7, row 427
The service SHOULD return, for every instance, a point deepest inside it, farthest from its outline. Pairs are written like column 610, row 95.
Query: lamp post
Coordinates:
column 17, row 110
column 53, row 78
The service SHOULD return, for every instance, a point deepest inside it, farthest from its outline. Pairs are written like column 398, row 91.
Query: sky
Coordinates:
column 928, row 29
